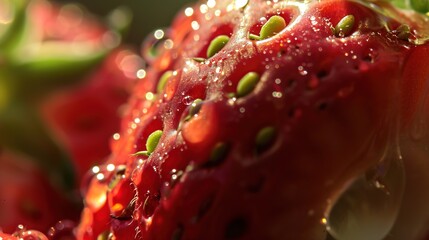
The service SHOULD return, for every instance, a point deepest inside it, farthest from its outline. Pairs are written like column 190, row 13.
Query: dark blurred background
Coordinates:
column 148, row 14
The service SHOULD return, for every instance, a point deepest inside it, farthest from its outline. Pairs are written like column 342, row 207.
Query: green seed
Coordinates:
column 344, row 26
column 218, row 154
column 216, row 45
column 163, row 80
column 403, row 32
column 272, row 27
column 197, row 59
column 195, row 107
column 152, row 141
column 265, row 138
column 141, row 153
column 247, row 83
column 106, row 235
column 254, row 37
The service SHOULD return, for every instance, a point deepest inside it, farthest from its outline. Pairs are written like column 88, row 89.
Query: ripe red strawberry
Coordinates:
column 27, row 197
column 58, row 108
column 85, row 117
column 257, row 120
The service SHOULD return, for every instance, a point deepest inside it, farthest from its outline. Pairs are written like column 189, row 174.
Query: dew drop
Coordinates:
column 187, row 100
column 154, row 45
column 189, row 11
column 368, row 208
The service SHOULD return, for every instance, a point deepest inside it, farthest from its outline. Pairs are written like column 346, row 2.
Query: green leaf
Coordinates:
column 53, row 65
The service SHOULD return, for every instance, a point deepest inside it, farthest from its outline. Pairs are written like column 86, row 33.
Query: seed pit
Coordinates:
column 150, row 204
column 322, row 106
column 322, row 74
column 368, row 58
column 204, row 208
column 236, row 228
column 256, row 185
column 178, row 232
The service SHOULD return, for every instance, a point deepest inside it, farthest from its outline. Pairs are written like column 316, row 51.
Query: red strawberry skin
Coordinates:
column 28, row 198
column 338, row 104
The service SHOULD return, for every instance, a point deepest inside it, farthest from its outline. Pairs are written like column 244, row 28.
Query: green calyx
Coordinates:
column 247, row 84
column 344, row 26
column 272, row 27
column 163, row 80
column 216, row 45
column 265, row 138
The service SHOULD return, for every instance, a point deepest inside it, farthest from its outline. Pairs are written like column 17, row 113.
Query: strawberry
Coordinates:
column 28, row 198
column 85, row 117
column 58, row 108
column 269, row 120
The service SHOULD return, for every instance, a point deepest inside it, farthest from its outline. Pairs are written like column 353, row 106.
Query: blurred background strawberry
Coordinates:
column 64, row 77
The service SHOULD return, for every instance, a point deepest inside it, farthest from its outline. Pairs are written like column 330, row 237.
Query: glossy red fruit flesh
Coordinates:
column 331, row 96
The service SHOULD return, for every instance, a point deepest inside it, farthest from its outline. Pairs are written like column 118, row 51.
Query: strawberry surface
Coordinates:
column 260, row 119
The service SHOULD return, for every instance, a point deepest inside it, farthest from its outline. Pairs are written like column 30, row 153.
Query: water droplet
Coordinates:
column 195, row 25
column 302, row 71
column 240, row 3
column 187, row 100
column 368, row 207
column 189, row 11
column 277, row 94
column 211, row 3
column 204, row 8
column 116, row 136
column 95, row 169
column 141, row 73
column 110, row 167
column 154, row 45
column 62, row 230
